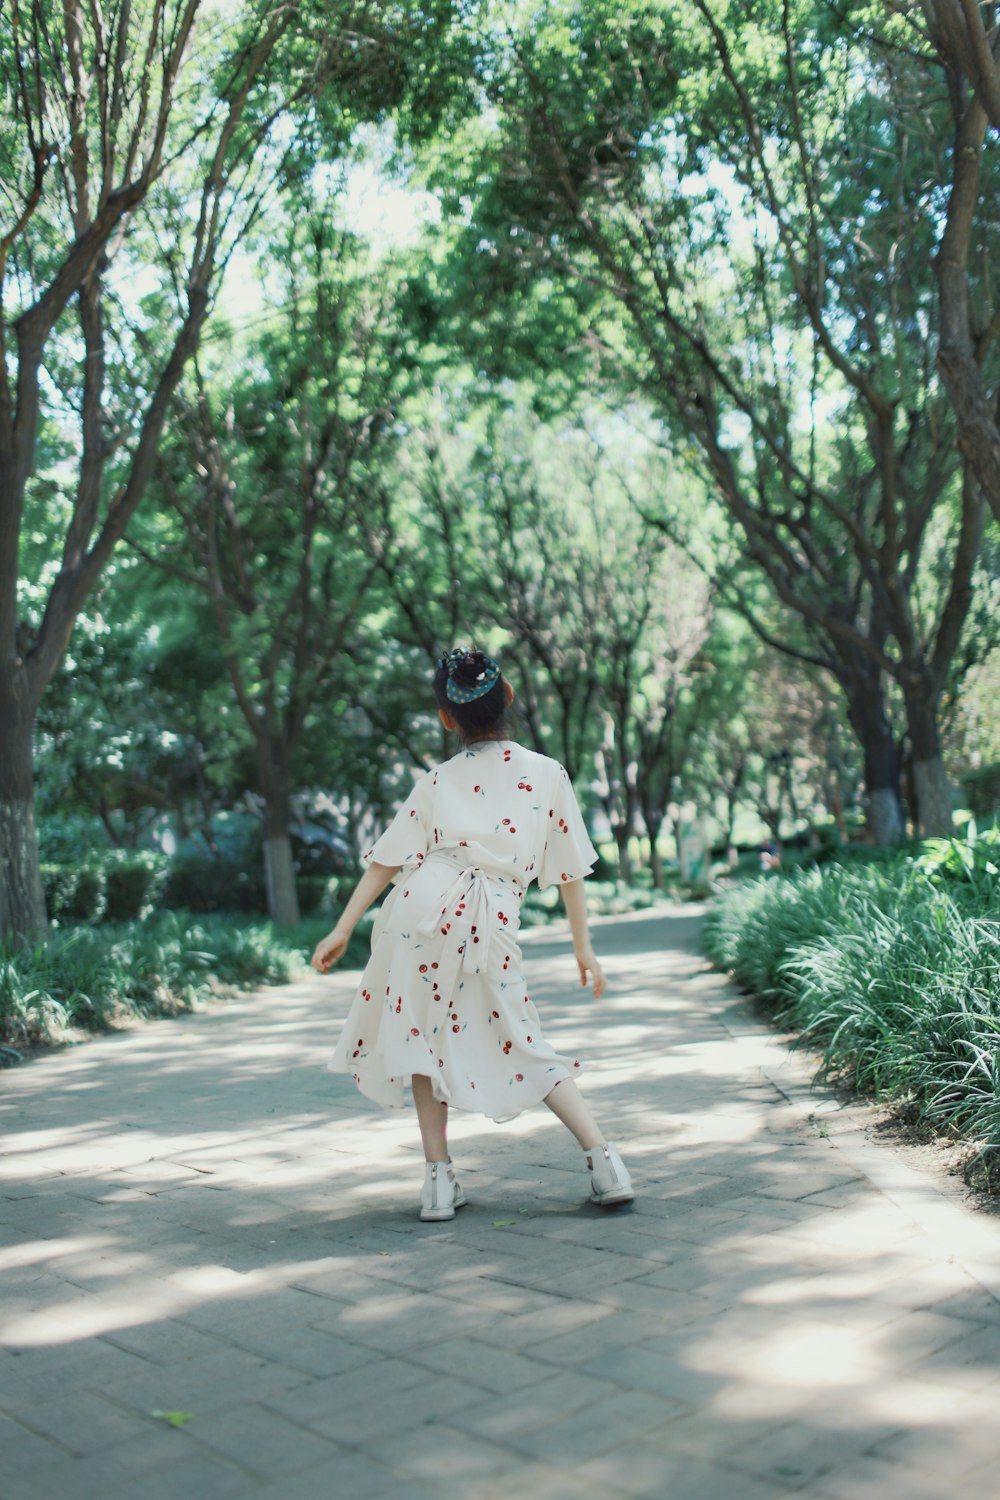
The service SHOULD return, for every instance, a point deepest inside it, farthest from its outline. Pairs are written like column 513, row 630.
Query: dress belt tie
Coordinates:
column 467, row 916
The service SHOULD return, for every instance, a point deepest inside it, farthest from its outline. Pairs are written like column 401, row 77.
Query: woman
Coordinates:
column 443, row 1003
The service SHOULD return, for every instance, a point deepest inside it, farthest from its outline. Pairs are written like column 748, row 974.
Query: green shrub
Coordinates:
column 972, row 861
column 982, row 790
column 134, row 884
column 317, row 893
column 213, row 883
column 726, row 921
column 93, row 977
column 770, row 917
column 891, row 970
column 118, row 885
column 74, row 893
column 70, row 838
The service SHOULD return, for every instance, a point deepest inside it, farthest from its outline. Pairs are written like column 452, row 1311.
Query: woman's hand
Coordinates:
column 575, row 902
column 329, row 950
column 372, row 883
column 587, row 964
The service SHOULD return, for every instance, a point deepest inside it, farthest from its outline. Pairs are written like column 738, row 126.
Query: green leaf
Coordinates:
column 174, row 1418
column 503, row 1223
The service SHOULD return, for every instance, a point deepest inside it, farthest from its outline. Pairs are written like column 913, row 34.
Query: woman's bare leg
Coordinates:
column 568, row 1105
column 432, row 1117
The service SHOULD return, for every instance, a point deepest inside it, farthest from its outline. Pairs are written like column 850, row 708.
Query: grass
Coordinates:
column 96, row 977
column 891, row 970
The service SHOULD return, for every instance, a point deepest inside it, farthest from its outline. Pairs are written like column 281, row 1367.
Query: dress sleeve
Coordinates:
column 568, row 853
column 406, row 840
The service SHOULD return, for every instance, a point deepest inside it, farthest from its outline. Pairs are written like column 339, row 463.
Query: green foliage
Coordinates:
column 974, row 862
column 74, row 893
column 604, row 215
column 683, row 170
column 206, row 882
column 982, row 790
column 68, row 838
column 134, row 883
column 892, row 969
column 95, row 977
column 317, row 893
column 753, row 929
column 116, row 885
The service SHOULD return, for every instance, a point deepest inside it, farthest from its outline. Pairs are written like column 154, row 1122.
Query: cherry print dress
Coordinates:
column 444, row 992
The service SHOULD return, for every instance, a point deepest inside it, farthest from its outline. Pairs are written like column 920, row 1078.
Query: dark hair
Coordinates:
column 480, row 718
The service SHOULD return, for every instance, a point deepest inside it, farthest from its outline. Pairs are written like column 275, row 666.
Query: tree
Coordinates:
column 606, row 618
column 657, row 611
column 959, row 42
column 109, row 743
column 270, row 472
column 780, row 309
column 140, row 146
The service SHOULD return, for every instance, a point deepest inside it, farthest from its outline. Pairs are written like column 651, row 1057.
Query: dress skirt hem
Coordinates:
column 390, row 1092
column 444, row 996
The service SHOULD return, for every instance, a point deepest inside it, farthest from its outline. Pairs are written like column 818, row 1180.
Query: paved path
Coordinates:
column 198, row 1218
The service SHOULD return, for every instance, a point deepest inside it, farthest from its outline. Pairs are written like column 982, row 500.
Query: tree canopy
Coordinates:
column 680, row 393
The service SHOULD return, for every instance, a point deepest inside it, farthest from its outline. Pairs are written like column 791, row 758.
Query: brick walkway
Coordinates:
column 196, row 1217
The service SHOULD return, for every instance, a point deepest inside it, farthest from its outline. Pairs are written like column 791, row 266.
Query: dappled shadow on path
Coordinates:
column 197, row 1215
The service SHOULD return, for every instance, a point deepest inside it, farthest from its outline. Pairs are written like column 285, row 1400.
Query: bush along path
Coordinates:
column 92, row 978
column 891, row 969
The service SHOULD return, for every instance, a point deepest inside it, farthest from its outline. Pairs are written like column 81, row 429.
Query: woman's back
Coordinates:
column 495, row 806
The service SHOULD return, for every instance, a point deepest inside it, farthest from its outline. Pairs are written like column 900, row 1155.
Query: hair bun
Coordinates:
column 470, row 674
column 469, row 666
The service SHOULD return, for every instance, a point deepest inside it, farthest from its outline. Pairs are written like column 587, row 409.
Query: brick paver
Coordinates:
column 197, row 1217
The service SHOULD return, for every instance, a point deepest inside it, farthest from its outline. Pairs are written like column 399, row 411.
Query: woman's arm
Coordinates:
column 371, row 885
column 574, row 897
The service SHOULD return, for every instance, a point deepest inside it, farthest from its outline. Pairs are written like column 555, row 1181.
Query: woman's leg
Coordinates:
column 432, row 1117
column 568, row 1105
column 610, row 1183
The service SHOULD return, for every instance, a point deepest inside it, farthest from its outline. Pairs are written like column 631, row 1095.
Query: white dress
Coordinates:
column 444, row 993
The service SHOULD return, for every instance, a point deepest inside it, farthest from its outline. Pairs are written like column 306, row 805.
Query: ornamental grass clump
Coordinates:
column 891, row 971
column 752, row 930
column 95, row 977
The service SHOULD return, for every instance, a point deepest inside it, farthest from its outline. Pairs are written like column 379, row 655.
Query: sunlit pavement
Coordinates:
column 198, row 1219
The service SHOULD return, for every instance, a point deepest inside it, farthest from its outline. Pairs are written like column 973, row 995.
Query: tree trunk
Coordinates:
column 692, row 853
column 279, row 868
column 678, row 841
column 868, row 718
column 732, row 853
column 933, row 794
column 652, row 821
column 958, row 358
column 653, row 826
column 22, row 902
column 732, row 795
column 624, row 857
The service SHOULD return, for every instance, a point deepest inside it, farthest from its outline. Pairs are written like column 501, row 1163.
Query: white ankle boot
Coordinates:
column 441, row 1193
column 609, row 1179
